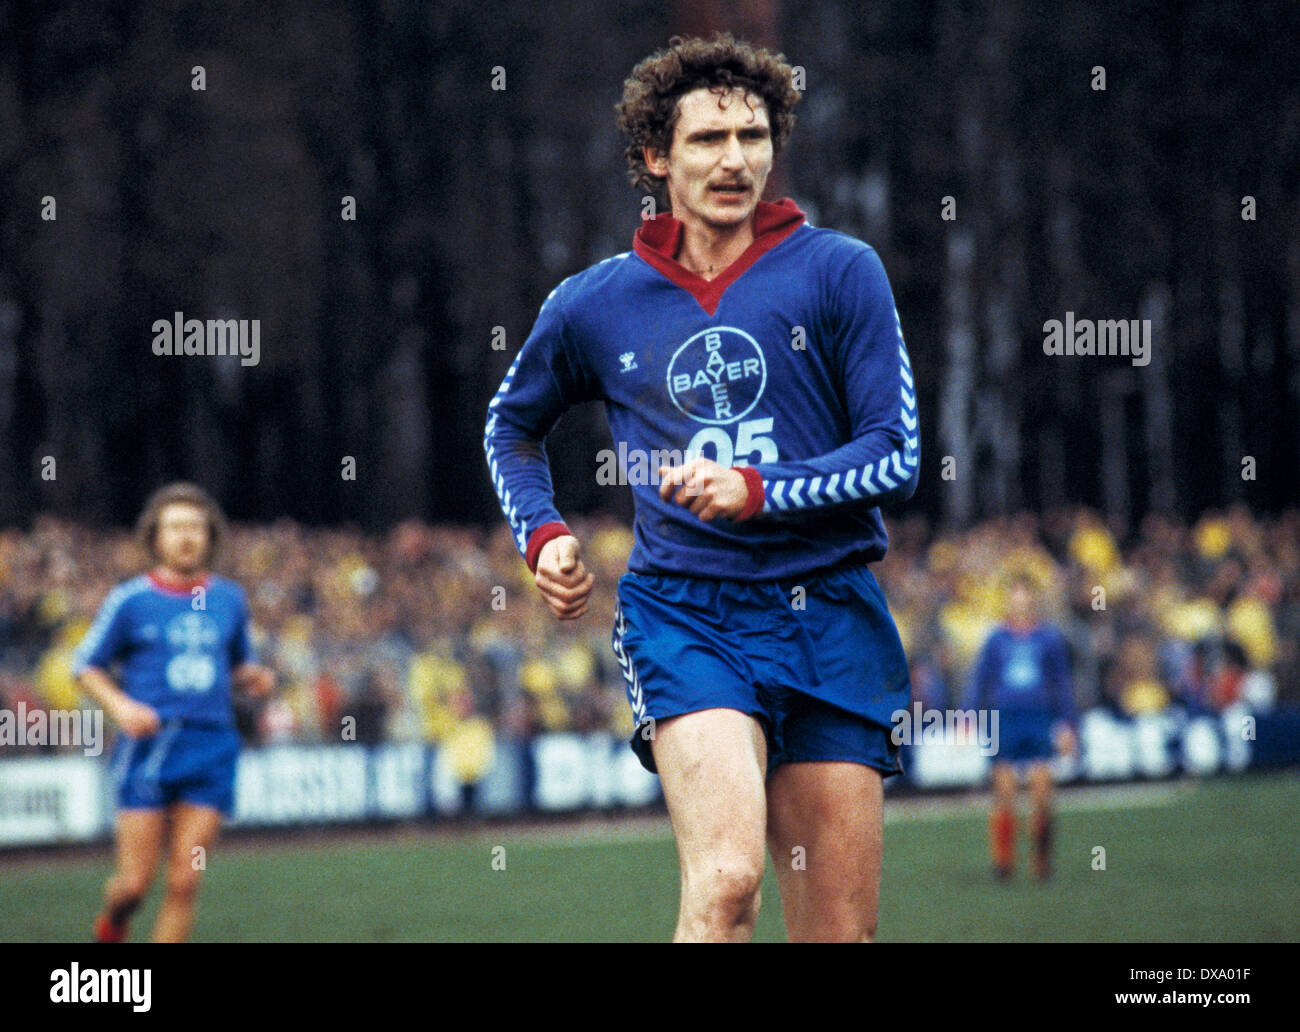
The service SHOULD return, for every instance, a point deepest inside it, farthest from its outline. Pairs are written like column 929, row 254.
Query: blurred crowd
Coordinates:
column 437, row 633
column 1159, row 615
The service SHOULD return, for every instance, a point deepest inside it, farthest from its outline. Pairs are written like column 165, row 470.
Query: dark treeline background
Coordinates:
column 376, row 334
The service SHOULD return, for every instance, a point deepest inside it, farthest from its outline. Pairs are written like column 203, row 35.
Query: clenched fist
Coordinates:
column 562, row 579
column 707, row 489
column 257, row 681
column 136, row 719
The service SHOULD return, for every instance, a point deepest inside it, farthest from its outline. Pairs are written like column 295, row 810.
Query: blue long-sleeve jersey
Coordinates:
column 1026, row 671
column 173, row 657
column 791, row 363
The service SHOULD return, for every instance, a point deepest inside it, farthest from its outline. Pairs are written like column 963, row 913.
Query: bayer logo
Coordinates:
column 192, row 632
column 717, row 376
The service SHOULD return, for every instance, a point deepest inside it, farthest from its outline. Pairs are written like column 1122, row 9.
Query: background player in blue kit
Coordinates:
column 760, row 363
column 1023, row 672
column 178, row 639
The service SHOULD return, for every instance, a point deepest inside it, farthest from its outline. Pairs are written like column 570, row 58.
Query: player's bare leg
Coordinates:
column 712, row 765
column 834, row 814
column 1040, row 790
column 139, row 847
column 193, row 827
column 1002, row 820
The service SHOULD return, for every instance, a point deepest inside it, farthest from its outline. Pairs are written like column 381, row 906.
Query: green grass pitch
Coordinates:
column 1212, row 862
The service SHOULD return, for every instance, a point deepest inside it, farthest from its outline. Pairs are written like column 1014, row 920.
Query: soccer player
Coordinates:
column 757, row 364
column 1023, row 672
column 179, row 639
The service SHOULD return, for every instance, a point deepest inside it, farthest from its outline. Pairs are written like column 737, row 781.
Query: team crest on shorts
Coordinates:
column 717, row 376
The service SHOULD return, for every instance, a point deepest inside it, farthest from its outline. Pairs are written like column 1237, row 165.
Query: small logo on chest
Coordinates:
column 628, row 358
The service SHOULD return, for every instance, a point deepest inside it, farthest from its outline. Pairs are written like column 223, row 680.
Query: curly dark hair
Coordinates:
column 648, row 112
column 146, row 527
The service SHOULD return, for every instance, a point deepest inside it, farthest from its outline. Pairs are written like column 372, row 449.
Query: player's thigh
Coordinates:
column 195, row 828
column 1040, row 779
column 825, row 822
column 826, row 818
column 1005, row 781
column 140, row 835
column 712, row 764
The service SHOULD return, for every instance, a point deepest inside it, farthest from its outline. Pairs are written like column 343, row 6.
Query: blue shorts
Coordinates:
column 1024, row 736
column 816, row 659
column 194, row 763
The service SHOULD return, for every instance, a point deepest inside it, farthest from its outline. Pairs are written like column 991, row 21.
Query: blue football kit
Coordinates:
column 791, row 368
column 1025, row 675
column 174, row 649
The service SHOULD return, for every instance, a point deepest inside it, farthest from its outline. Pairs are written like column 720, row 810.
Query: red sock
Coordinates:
column 1002, row 838
column 1042, row 843
column 106, row 931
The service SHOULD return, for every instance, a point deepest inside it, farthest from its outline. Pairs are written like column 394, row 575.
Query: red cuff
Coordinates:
column 538, row 538
column 753, row 481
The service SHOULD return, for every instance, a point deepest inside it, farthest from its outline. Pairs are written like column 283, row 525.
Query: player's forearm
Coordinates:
column 521, row 476
column 876, row 469
column 539, row 386
column 100, row 687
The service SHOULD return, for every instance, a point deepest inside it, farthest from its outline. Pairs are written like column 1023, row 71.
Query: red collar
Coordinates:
column 176, row 586
column 659, row 239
